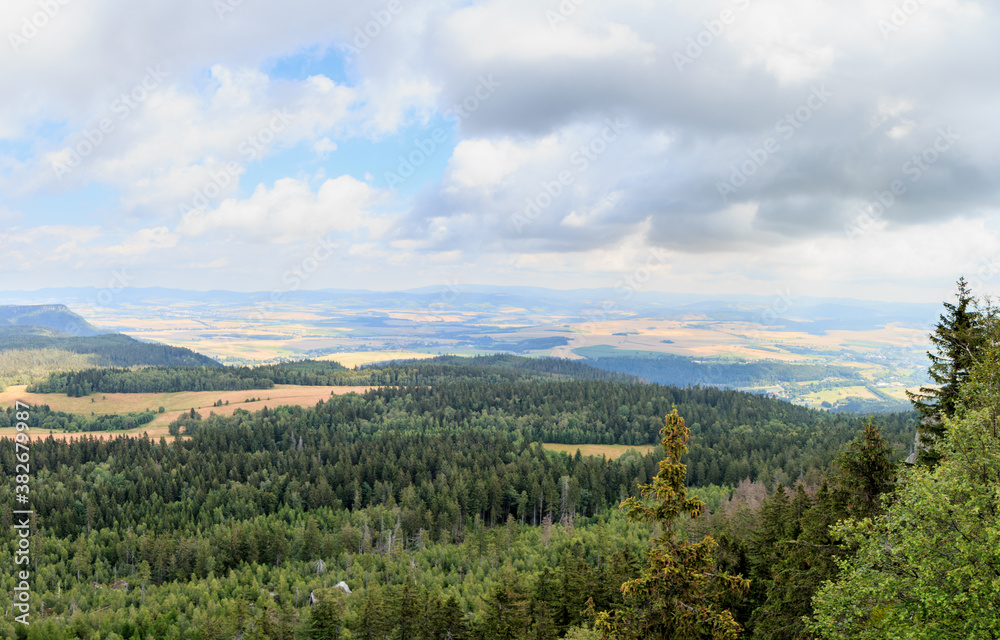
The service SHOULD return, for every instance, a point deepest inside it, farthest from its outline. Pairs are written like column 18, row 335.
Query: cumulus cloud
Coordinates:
column 292, row 211
column 741, row 111
column 752, row 130
column 176, row 145
column 144, row 241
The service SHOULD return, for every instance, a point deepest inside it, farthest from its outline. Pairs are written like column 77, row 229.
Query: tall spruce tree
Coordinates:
column 866, row 471
column 958, row 339
column 327, row 616
column 679, row 591
column 507, row 606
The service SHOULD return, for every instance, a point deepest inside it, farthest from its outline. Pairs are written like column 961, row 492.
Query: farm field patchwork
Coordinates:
column 362, row 328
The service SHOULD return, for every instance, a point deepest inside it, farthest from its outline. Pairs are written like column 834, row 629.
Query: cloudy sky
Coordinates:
column 739, row 146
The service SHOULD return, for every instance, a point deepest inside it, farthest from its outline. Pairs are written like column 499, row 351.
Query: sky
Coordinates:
column 822, row 148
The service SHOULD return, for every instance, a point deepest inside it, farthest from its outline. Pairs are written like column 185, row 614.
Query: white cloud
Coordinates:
column 324, row 146
column 177, row 144
column 144, row 241
column 291, row 211
column 485, row 163
column 558, row 81
column 518, row 30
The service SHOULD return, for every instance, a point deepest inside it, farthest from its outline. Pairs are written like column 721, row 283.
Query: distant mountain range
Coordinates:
column 792, row 312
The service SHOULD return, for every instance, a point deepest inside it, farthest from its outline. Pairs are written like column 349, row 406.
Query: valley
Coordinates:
column 877, row 351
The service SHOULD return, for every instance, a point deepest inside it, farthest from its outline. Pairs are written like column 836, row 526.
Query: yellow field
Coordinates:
column 155, row 432
column 174, row 403
column 701, row 338
column 354, row 359
column 695, row 338
column 839, row 393
column 899, row 392
column 258, row 335
column 610, row 451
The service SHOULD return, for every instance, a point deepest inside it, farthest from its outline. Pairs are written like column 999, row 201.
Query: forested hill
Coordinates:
column 54, row 334
column 735, row 435
column 682, row 371
column 437, row 497
column 57, row 317
column 113, row 349
column 499, row 368
column 383, row 490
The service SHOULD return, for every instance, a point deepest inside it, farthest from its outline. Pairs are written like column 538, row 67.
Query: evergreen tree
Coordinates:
column 311, row 539
column 775, row 523
column 374, row 620
column 800, row 566
column 866, row 471
column 577, row 585
column 545, row 605
column 677, row 595
column 446, row 620
column 327, row 617
column 506, row 610
column 928, row 567
column 958, row 339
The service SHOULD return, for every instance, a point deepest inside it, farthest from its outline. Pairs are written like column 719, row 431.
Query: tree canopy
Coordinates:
column 929, row 567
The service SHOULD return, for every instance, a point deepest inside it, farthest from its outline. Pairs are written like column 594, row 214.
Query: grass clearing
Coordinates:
column 899, row 392
column 610, row 451
column 174, row 404
column 839, row 393
column 357, row 358
column 154, row 433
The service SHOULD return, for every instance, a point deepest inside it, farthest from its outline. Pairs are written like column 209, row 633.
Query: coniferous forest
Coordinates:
column 498, row 368
column 428, row 508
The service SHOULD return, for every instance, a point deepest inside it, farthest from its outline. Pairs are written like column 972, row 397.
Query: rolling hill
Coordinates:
column 57, row 317
column 38, row 340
